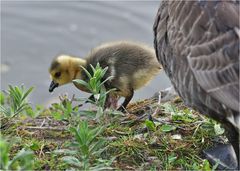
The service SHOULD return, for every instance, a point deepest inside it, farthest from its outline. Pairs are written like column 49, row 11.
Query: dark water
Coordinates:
column 33, row 32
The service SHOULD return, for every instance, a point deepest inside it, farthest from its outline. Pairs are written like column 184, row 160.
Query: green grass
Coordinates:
column 172, row 144
column 17, row 101
column 66, row 137
column 86, row 148
column 22, row 160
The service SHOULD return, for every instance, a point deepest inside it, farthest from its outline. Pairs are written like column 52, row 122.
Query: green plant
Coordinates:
column 167, row 128
column 2, row 98
column 95, row 84
column 61, row 111
column 23, row 160
column 18, row 102
column 34, row 112
column 150, row 125
column 87, row 148
column 185, row 116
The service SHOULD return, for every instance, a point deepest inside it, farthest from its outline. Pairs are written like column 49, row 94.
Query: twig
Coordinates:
column 43, row 122
column 161, row 121
column 73, row 97
column 195, row 131
column 121, row 133
column 158, row 104
column 47, row 128
column 41, row 151
column 134, row 121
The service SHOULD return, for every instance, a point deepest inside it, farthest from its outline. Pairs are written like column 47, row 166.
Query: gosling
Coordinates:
column 131, row 66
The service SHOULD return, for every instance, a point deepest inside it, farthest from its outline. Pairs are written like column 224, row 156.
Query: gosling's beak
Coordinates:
column 52, row 86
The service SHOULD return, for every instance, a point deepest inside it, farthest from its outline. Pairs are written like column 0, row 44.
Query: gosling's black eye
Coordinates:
column 57, row 74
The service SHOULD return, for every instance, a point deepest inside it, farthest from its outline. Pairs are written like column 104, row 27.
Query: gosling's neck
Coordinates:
column 75, row 67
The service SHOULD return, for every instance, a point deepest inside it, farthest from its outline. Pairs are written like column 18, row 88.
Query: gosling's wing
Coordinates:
column 214, row 58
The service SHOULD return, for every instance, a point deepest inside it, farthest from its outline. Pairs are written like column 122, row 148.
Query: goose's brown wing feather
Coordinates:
column 202, row 36
column 214, row 58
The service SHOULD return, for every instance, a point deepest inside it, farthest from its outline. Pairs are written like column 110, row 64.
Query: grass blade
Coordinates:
column 86, row 71
column 27, row 93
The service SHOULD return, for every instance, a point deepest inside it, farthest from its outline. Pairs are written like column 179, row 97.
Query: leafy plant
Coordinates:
column 167, row 128
column 2, row 98
column 87, row 147
column 150, row 125
column 34, row 112
column 18, row 102
column 95, row 84
column 65, row 110
column 62, row 111
column 184, row 116
column 23, row 160
column 218, row 130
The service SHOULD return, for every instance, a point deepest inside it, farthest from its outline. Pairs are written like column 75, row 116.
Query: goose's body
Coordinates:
column 197, row 43
column 131, row 65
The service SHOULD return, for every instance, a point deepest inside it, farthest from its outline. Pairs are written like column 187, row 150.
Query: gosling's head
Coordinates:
column 63, row 70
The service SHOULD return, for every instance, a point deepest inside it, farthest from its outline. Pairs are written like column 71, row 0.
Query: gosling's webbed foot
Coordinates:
column 224, row 155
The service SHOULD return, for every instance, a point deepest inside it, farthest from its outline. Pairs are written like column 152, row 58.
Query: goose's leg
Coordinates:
column 233, row 138
column 227, row 155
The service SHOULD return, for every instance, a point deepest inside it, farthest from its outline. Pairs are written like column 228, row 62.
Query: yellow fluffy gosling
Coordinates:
column 131, row 65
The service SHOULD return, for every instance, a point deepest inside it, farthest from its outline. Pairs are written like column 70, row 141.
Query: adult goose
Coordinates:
column 197, row 43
